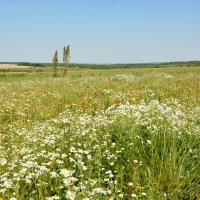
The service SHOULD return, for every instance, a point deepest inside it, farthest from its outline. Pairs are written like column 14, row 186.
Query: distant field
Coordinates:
column 13, row 66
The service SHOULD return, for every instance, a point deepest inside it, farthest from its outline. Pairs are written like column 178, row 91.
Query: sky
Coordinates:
column 100, row 31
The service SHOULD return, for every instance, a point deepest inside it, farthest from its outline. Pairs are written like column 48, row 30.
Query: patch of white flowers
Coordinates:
column 124, row 77
column 74, row 155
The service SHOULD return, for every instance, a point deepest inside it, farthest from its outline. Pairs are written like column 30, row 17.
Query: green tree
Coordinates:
column 55, row 64
column 66, row 57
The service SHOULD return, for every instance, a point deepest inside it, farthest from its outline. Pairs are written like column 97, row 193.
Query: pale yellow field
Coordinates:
column 13, row 66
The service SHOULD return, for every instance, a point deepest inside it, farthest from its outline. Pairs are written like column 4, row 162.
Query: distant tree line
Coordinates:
column 32, row 64
column 66, row 64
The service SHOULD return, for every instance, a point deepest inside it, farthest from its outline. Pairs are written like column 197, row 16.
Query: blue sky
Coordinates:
column 100, row 31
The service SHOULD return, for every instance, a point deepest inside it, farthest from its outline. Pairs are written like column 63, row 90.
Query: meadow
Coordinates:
column 101, row 134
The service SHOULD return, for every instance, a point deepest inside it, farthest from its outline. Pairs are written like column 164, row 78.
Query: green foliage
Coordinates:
column 66, row 57
column 55, row 64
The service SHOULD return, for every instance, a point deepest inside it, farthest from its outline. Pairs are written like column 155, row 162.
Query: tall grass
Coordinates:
column 115, row 134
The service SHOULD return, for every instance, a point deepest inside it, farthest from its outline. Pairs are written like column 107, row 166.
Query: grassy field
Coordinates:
column 101, row 134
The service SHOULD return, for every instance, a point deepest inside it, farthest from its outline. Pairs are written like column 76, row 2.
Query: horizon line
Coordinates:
column 129, row 63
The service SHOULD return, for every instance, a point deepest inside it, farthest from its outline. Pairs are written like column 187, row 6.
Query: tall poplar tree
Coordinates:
column 55, row 64
column 66, row 57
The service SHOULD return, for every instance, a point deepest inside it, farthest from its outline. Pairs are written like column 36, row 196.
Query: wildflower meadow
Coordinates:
column 101, row 135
